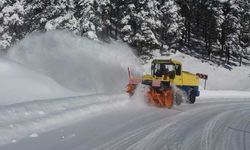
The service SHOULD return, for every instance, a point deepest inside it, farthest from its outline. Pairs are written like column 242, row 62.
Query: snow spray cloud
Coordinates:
column 77, row 63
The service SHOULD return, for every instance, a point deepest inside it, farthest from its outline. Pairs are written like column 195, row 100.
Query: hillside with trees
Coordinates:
column 213, row 29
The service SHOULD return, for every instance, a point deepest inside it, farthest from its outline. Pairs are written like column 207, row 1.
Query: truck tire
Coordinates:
column 178, row 96
column 192, row 96
column 177, row 99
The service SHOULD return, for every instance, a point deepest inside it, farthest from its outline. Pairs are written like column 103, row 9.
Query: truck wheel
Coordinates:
column 178, row 97
column 192, row 96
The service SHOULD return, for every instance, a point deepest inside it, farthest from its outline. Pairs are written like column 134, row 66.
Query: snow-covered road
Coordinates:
column 121, row 123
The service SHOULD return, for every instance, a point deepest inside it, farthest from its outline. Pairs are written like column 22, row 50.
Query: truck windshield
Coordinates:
column 162, row 69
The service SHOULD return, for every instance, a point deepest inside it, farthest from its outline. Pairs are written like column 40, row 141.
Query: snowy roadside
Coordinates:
column 26, row 119
column 222, row 94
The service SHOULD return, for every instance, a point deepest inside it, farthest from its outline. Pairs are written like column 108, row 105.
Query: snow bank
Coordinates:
column 219, row 77
column 19, row 84
column 77, row 63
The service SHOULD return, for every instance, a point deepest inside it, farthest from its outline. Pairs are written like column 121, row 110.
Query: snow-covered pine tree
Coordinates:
column 139, row 22
column 104, row 13
column 148, row 17
column 36, row 14
column 233, row 40
column 245, row 30
column 187, row 11
column 203, row 24
column 12, row 22
column 61, row 16
column 127, row 21
column 116, row 14
column 89, row 21
column 229, row 27
column 4, row 43
column 172, row 22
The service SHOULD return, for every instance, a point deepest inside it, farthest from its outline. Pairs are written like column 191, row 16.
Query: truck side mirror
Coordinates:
column 178, row 70
column 152, row 69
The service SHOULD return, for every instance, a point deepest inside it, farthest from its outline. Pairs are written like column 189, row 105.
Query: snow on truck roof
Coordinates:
column 161, row 61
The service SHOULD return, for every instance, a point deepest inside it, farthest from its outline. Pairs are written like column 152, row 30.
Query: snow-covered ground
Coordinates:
column 62, row 92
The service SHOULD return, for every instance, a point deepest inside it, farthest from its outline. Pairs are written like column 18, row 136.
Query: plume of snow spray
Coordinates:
column 140, row 96
column 77, row 63
column 179, row 95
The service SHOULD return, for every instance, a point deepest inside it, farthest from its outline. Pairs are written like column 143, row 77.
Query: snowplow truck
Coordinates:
column 165, row 75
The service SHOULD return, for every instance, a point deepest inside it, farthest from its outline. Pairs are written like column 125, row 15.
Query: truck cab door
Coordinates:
column 178, row 76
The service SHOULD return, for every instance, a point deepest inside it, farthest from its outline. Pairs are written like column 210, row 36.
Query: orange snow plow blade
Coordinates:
column 161, row 98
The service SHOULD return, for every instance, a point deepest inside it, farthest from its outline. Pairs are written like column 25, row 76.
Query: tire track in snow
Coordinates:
column 163, row 137
column 244, row 136
column 218, row 132
column 148, row 134
column 126, row 139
